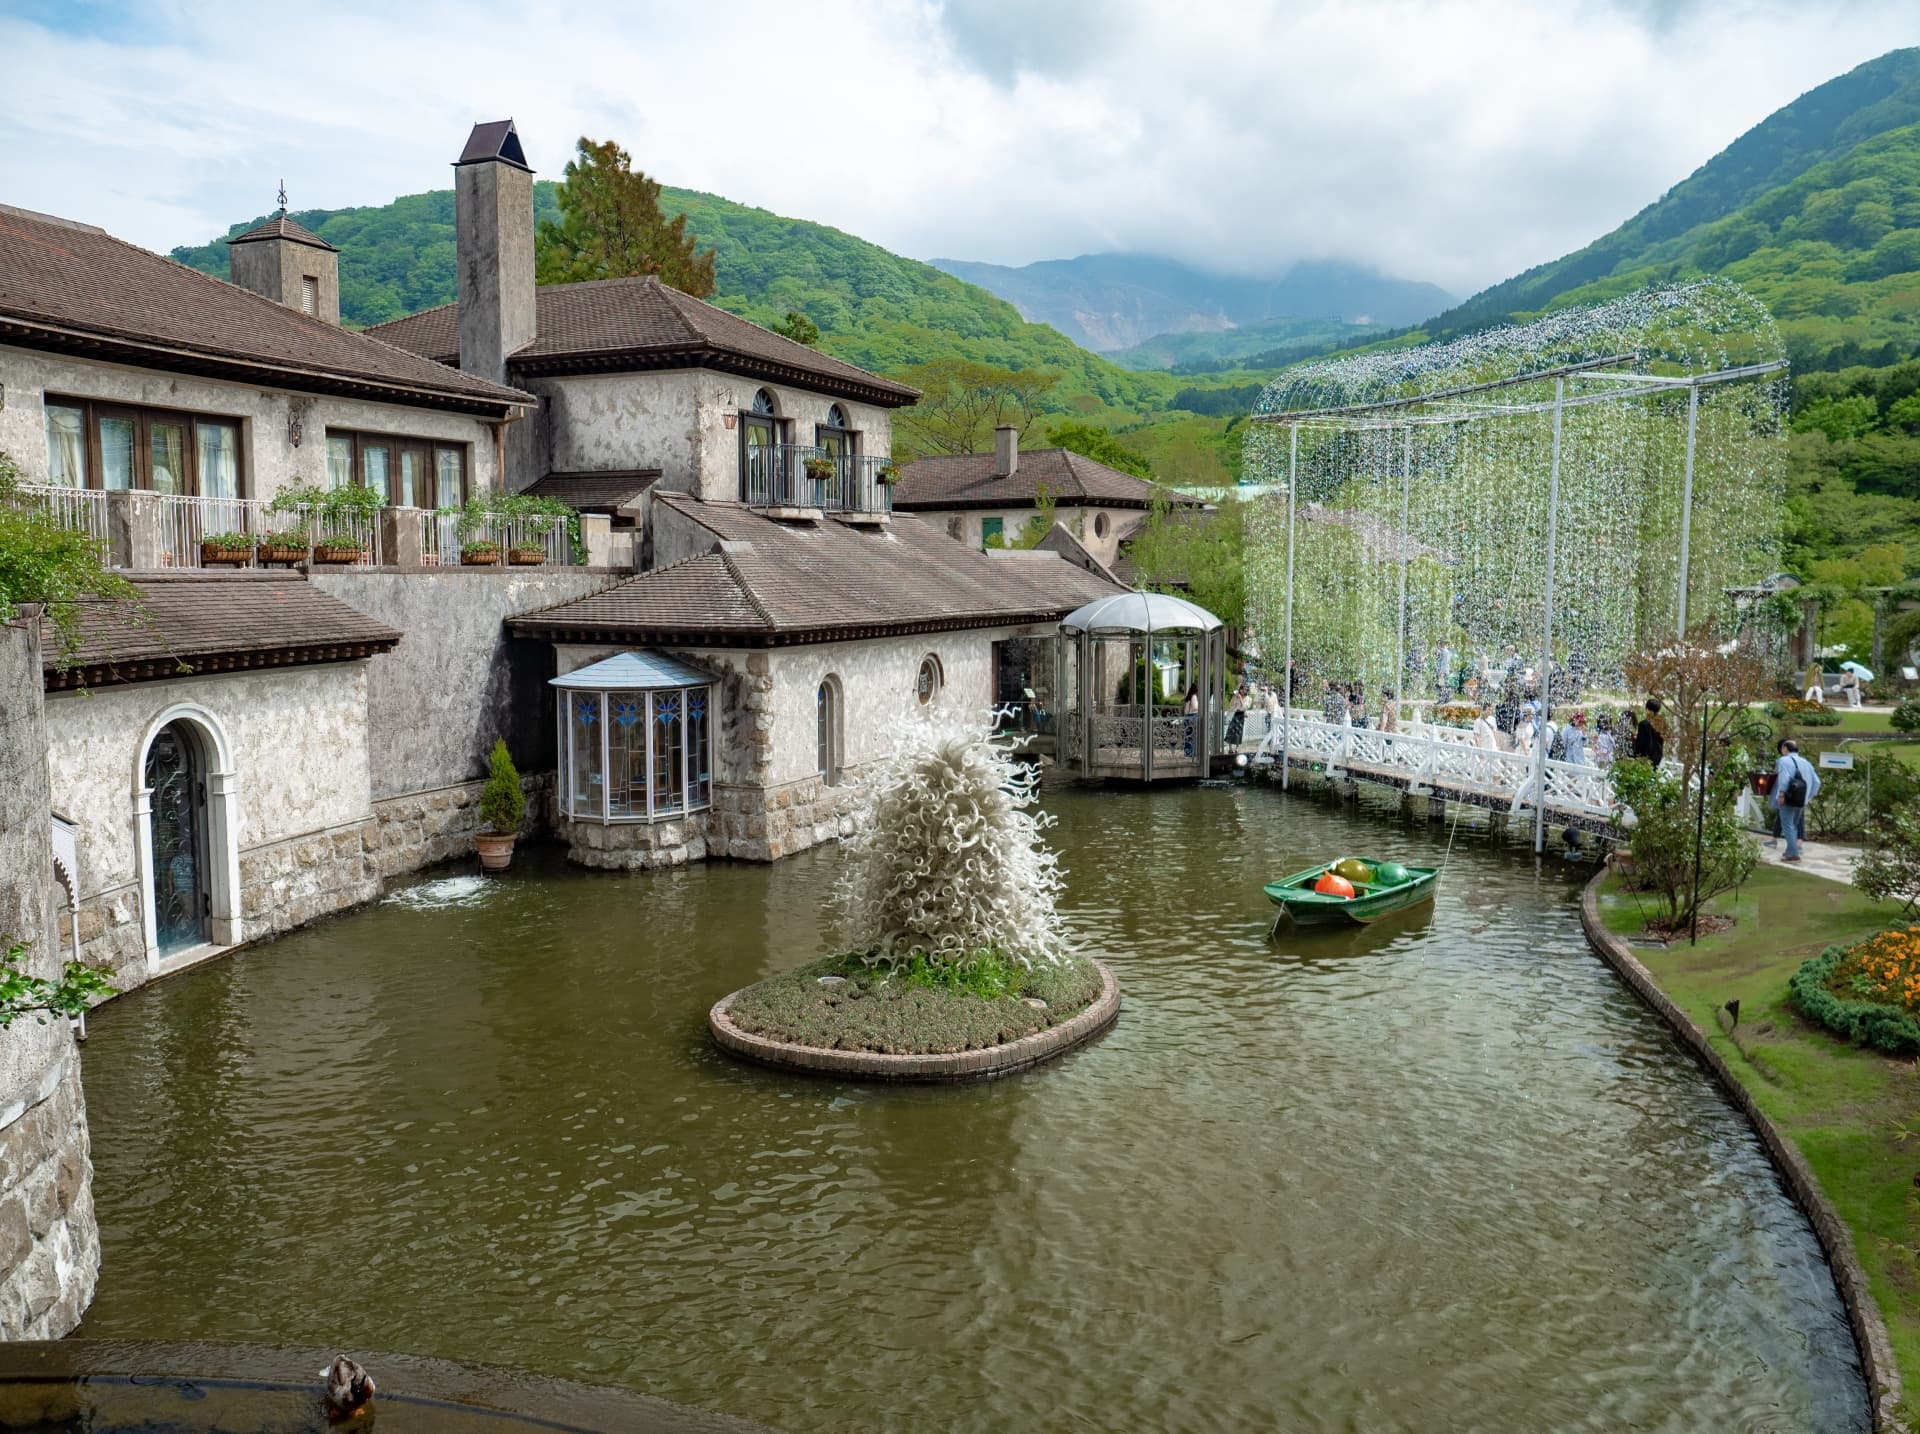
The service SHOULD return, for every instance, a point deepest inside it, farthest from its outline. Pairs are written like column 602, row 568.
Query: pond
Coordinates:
column 1445, row 1172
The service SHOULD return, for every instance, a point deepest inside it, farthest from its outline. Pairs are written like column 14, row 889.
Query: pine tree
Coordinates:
column 611, row 227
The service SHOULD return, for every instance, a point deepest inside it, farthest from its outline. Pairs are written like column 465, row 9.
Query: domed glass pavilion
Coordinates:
column 1140, row 680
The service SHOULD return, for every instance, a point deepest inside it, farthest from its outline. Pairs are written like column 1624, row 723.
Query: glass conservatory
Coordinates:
column 1140, row 680
column 636, row 739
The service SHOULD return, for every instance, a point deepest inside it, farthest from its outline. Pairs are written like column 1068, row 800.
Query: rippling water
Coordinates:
column 1444, row 1173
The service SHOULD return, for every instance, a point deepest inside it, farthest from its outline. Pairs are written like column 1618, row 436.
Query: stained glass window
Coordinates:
column 637, row 756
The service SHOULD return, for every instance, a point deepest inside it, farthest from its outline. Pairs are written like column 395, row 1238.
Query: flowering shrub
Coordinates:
column 948, row 859
column 1884, row 968
column 1889, row 867
column 1869, row 992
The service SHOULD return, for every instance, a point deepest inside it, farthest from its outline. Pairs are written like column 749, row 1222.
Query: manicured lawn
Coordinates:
column 1854, row 1114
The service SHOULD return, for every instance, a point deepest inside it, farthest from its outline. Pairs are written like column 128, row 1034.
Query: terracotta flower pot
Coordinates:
column 480, row 560
column 213, row 555
column 527, row 557
column 280, row 553
column 496, row 851
column 339, row 556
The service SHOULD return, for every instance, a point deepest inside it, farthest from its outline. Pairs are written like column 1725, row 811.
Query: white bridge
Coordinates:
column 1440, row 762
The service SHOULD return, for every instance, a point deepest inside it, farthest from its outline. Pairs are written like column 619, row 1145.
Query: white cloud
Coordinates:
column 1456, row 140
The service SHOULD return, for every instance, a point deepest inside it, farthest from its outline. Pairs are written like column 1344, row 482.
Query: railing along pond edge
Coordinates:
column 1869, row 1330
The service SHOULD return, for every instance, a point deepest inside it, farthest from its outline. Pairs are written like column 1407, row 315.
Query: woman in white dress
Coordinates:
column 1486, row 733
column 1525, row 731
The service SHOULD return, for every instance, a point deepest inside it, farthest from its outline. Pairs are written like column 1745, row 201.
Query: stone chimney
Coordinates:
column 493, row 220
column 1006, row 450
column 290, row 265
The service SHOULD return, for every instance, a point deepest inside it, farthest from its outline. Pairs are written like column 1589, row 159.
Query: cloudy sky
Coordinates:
column 1454, row 142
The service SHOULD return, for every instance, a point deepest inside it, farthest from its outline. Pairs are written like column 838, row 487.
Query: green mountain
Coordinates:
column 873, row 307
column 1815, row 210
column 1270, row 345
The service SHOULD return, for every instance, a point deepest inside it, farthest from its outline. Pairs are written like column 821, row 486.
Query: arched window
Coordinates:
column 760, row 459
column 827, row 744
column 837, row 443
column 930, row 679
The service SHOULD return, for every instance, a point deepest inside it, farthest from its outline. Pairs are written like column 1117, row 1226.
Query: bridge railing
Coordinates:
column 1429, row 758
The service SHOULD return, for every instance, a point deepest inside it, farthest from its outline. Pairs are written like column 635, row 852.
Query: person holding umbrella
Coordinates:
column 1852, row 674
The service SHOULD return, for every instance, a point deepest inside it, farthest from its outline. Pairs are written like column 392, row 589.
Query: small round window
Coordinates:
column 927, row 685
column 1099, row 525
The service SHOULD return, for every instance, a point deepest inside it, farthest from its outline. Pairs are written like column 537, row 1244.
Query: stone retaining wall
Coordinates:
column 422, row 828
column 289, row 883
column 1836, row 1240
column 49, row 1243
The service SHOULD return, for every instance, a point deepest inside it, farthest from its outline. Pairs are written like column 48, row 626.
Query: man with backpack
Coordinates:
column 1795, row 783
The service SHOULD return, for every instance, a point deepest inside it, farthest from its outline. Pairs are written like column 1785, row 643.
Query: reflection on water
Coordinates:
column 1439, row 1173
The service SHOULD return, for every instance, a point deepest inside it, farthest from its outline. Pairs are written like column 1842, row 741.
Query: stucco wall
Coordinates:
column 49, row 1242
column 769, row 800
column 269, row 459
column 676, row 421
column 302, row 824
column 457, row 681
column 965, row 524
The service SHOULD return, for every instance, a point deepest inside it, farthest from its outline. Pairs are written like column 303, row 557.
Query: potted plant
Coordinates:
column 526, row 555
column 338, row 548
column 225, row 550
column 282, row 546
column 502, row 805
column 819, row 469
column 480, row 553
column 889, row 474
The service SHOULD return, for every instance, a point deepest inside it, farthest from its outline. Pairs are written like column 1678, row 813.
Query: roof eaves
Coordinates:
column 145, row 352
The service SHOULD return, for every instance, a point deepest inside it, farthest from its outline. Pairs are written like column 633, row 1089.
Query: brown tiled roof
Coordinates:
column 617, row 325
column 769, row 582
column 611, row 492
column 965, row 480
column 281, row 227
column 1060, row 541
column 213, row 622
column 76, row 289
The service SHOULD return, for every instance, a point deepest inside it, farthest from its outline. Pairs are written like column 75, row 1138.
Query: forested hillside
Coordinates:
column 1816, row 210
column 873, row 308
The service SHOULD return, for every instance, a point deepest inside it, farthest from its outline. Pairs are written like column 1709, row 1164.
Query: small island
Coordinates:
column 955, row 964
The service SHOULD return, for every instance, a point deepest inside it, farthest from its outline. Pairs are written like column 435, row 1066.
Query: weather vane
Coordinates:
column 283, row 196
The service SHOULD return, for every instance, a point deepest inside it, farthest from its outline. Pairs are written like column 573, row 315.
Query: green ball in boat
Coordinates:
column 1391, row 873
column 1353, row 869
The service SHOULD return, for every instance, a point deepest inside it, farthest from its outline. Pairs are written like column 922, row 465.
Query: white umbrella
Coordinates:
column 1860, row 671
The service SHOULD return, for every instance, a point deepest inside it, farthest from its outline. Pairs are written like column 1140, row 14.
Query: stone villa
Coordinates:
column 272, row 745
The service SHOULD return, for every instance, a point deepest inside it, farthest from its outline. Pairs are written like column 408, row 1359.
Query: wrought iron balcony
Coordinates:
column 801, row 477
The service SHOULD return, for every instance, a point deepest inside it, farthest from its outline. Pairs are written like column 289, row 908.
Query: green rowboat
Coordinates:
column 1295, row 896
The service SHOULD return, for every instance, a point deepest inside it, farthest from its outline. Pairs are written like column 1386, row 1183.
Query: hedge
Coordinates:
column 1866, row 1023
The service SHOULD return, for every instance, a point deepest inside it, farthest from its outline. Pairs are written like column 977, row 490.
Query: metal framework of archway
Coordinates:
column 1690, row 339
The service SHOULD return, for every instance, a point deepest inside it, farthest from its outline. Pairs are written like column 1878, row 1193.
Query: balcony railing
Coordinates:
column 777, row 476
column 441, row 540
column 82, row 509
column 142, row 530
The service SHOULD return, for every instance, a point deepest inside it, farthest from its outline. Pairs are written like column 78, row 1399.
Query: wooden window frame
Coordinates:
column 143, row 416
column 395, row 443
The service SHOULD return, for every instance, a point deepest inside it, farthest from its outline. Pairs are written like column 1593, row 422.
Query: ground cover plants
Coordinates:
column 915, row 1007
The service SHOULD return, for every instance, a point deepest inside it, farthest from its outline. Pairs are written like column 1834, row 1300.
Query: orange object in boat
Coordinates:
column 1330, row 884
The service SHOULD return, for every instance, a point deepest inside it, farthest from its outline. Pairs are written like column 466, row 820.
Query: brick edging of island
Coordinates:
column 1836, row 1240
column 985, row 1064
